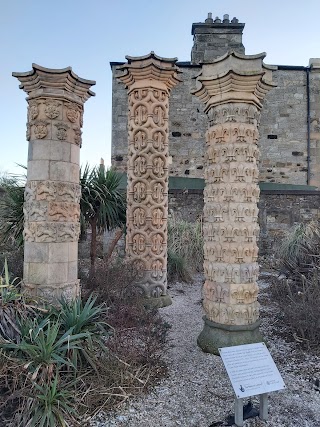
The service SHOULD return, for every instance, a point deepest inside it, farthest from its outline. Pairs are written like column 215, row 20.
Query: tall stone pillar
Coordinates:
column 232, row 89
column 149, row 80
column 52, row 193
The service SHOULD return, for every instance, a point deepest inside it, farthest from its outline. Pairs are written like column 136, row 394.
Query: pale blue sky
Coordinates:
column 87, row 35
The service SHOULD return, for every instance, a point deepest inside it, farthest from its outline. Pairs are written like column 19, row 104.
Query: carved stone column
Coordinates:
column 52, row 193
column 148, row 80
column 232, row 88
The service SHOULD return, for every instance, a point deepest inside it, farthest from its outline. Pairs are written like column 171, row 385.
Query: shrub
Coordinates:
column 298, row 290
column 185, row 248
column 64, row 365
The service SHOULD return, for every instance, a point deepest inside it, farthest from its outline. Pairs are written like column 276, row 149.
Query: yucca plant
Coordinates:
column 9, row 301
column 11, row 210
column 49, row 406
column 43, row 349
column 102, row 204
column 84, row 319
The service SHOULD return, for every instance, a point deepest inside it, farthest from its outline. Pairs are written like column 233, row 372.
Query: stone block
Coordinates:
column 59, row 171
column 60, row 151
column 75, row 154
column 73, row 251
column 72, row 271
column 74, row 173
column 58, row 252
column 38, row 273
column 36, row 252
column 57, row 272
column 40, row 150
column 38, row 170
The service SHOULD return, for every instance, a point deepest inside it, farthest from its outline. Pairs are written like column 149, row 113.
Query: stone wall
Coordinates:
column 278, row 211
column 283, row 128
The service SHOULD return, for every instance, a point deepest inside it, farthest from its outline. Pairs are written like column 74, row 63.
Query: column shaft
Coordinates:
column 149, row 80
column 52, row 192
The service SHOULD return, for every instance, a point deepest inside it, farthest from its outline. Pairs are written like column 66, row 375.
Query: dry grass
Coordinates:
column 185, row 249
column 298, row 289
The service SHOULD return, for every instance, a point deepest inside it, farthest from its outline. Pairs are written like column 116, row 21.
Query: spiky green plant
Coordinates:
column 102, row 204
column 177, row 267
column 185, row 247
column 300, row 244
column 42, row 348
column 49, row 406
column 11, row 210
column 84, row 319
column 10, row 300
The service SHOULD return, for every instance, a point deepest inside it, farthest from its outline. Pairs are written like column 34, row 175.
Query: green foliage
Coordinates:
column 11, row 211
column 177, row 267
column 49, row 406
column 84, row 319
column 8, row 289
column 101, row 200
column 299, row 246
column 185, row 248
column 102, row 204
column 9, row 300
column 42, row 348
column 298, row 294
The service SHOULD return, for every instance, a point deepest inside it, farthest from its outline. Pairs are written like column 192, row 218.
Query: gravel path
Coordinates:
column 197, row 392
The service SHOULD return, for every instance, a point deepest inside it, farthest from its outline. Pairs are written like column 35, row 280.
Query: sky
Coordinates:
column 88, row 34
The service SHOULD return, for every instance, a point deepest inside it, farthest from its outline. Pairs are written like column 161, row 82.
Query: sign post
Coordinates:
column 251, row 371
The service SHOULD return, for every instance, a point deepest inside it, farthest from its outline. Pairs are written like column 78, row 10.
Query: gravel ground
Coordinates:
column 197, row 392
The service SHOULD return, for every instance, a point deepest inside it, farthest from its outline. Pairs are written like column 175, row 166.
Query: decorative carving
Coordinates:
column 231, row 194
column 147, row 191
column 52, row 109
column 62, row 131
column 33, row 110
column 77, row 136
column 62, row 211
column 51, row 208
column 40, row 129
column 73, row 113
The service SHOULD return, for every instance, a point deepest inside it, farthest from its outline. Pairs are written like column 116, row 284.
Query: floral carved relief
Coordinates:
column 52, row 109
column 40, row 129
column 61, row 132
column 230, row 213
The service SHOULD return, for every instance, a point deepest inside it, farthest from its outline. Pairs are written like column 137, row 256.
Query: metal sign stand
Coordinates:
column 238, row 409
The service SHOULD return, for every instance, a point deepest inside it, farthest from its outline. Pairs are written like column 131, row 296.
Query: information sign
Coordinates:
column 251, row 369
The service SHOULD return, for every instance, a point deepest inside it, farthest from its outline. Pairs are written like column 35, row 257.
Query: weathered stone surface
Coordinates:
column 148, row 80
column 52, row 193
column 232, row 88
column 283, row 126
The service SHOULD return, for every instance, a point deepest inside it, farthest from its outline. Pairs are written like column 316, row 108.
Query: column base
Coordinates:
column 160, row 302
column 216, row 335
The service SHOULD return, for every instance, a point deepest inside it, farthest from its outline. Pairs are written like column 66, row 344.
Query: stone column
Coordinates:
column 149, row 80
column 52, row 193
column 232, row 89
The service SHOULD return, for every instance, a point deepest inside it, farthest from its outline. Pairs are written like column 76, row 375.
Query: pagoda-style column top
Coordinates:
column 149, row 70
column 234, row 77
column 49, row 82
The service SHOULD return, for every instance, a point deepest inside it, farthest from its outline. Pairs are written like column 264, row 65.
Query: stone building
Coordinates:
column 289, row 134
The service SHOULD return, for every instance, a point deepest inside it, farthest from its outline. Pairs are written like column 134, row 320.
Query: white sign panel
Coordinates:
column 251, row 369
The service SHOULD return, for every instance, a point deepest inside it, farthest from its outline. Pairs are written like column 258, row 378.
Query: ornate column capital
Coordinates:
column 149, row 70
column 57, row 83
column 234, row 78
